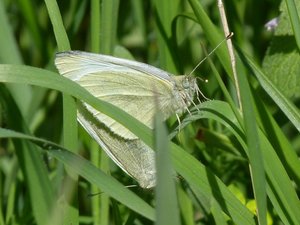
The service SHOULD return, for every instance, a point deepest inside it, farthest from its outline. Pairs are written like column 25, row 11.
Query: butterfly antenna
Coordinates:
column 225, row 39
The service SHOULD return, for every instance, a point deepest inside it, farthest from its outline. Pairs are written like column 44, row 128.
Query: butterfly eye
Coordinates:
column 186, row 83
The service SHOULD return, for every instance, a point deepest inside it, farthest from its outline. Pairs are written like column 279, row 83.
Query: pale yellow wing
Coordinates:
column 132, row 156
column 137, row 88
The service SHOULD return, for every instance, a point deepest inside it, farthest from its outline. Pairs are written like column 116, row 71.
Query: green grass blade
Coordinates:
column 166, row 12
column 254, row 149
column 294, row 17
column 186, row 207
column 217, row 214
column 44, row 78
column 103, row 38
column 30, row 15
column 279, row 187
column 29, row 158
column 87, row 170
column 214, row 36
column 10, row 54
column 58, row 26
column 9, row 50
column 279, row 141
column 95, row 26
column 108, row 20
column 287, row 107
column 69, row 118
column 204, row 183
column 165, row 193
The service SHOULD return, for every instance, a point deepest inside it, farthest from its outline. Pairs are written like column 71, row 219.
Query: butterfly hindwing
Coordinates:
column 132, row 156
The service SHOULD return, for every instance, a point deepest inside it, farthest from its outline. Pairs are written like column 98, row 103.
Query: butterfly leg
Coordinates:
column 179, row 122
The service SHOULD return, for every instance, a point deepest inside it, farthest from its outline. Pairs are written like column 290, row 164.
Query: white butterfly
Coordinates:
column 137, row 88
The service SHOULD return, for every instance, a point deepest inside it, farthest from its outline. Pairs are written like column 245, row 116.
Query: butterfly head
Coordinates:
column 188, row 88
column 189, row 85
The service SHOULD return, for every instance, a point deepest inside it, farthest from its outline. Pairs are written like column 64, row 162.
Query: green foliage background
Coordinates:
column 236, row 159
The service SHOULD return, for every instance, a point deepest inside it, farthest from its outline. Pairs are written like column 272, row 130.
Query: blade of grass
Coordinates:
column 280, row 188
column 10, row 54
column 107, row 14
column 87, row 170
column 214, row 36
column 36, row 175
column 165, row 193
column 58, row 26
column 140, row 19
column 9, row 49
column 279, row 141
column 280, row 202
column 95, row 26
column 108, row 19
column 294, row 17
column 69, row 120
column 44, row 78
column 287, row 107
column 217, row 214
column 9, row 190
column 165, row 13
column 30, row 14
column 254, row 149
column 204, row 184
column 186, row 207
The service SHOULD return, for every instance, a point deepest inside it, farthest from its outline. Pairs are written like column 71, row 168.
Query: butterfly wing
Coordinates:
column 137, row 88
column 132, row 156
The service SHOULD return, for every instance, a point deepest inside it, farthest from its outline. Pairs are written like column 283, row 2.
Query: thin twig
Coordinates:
column 230, row 49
